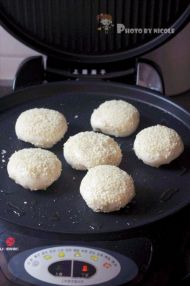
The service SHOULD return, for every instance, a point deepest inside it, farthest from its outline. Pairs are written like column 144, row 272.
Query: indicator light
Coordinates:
column 107, row 265
column 47, row 257
column 77, row 254
column 61, row 254
column 84, row 268
column 10, row 241
column 94, row 258
column 35, row 263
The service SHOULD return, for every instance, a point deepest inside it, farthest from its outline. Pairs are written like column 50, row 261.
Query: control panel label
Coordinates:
column 70, row 265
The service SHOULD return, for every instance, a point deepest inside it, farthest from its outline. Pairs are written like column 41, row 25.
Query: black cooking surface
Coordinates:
column 160, row 192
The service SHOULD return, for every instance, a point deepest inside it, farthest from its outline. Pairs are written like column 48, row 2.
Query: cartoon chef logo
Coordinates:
column 105, row 22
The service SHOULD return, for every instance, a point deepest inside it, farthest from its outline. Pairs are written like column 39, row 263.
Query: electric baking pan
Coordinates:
column 60, row 209
column 79, row 41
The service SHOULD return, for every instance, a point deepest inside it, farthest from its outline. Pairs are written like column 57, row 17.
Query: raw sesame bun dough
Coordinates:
column 41, row 127
column 89, row 149
column 34, row 168
column 158, row 145
column 115, row 117
column 107, row 188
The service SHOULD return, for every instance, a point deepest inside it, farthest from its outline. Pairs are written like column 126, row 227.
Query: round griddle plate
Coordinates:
column 160, row 192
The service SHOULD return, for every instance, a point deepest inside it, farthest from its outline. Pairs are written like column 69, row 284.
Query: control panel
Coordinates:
column 72, row 265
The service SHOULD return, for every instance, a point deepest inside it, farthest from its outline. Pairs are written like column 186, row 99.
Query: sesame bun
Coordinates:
column 107, row 188
column 158, row 145
column 115, row 117
column 89, row 149
column 41, row 127
column 34, row 168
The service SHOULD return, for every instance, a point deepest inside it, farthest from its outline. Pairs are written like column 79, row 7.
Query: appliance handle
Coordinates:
column 149, row 76
column 30, row 71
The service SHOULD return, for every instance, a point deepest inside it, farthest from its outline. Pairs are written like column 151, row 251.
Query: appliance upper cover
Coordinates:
column 94, row 31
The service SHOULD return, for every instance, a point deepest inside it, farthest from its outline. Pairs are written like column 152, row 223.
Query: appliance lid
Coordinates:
column 96, row 31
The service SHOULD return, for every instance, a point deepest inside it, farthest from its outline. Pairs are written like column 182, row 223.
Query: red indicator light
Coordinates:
column 85, row 268
column 10, row 241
